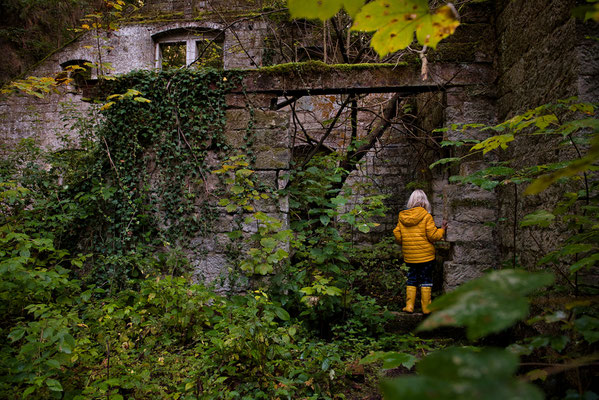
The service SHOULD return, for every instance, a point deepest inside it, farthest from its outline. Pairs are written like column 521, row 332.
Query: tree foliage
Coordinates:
column 394, row 22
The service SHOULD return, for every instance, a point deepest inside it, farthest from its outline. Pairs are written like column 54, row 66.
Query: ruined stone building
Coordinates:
column 505, row 57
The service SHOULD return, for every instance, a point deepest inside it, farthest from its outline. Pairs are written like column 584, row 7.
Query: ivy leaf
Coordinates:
column 463, row 374
column 322, row 9
column 396, row 21
column 487, row 304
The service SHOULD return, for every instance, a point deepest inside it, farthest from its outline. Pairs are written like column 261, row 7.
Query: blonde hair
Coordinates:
column 418, row 199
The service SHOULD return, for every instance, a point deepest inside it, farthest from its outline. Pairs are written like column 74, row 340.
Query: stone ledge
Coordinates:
column 319, row 78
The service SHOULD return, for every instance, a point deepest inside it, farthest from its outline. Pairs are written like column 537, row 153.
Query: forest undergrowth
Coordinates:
column 98, row 299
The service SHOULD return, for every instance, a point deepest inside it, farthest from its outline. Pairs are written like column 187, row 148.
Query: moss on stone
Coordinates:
column 153, row 18
column 311, row 67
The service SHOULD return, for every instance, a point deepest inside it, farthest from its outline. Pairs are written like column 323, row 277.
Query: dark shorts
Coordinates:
column 421, row 274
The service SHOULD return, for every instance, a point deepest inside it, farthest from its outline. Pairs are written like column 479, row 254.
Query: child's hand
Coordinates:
column 444, row 225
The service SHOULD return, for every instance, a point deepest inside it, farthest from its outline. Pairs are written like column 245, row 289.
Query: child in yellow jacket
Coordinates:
column 416, row 232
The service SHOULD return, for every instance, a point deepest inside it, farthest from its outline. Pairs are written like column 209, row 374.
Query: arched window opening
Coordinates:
column 78, row 71
column 189, row 47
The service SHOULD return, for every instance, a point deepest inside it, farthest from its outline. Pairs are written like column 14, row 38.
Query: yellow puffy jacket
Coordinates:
column 416, row 232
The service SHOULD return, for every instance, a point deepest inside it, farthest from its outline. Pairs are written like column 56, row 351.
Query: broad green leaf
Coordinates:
column 140, row 99
column 586, row 262
column 575, row 248
column 53, row 363
column 322, row 9
column 444, row 161
column 237, row 189
column 574, row 168
column 586, row 12
column 339, row 200
column 487, row 304
column 390, row 359
column 364, row 228
column 544, row 121
column 282, row 314
column 263, row 269
column 463, row 374
column 54, row 385
column 16, row 334
column 395, row 22
column 541, row 218
column 268, row 243
column 493, row 143
column 325, row 219
column 589, row 328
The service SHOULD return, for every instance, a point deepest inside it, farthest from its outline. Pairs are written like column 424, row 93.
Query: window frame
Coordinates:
column 190, row 36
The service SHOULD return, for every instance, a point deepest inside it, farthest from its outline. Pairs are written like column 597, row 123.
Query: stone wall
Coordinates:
column 532, row 50
column 130, row 48
column 542, row 56
column 211, row 256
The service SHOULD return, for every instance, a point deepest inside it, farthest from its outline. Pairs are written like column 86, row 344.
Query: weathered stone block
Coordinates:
column 456, row 274
column 468, row 232
column 268, row 178
column 271, row 137
column 224, row 223
column 469, row 195
column 204, row 243
column 473, row 214
column 272, row 158
column 481, row 253
column 212, row 270
column 260, row 101
column 271, row 119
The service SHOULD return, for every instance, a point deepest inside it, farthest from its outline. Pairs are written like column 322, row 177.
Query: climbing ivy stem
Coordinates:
column 112, row 162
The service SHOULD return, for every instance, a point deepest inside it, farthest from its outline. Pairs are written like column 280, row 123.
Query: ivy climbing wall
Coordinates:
column 491, row 68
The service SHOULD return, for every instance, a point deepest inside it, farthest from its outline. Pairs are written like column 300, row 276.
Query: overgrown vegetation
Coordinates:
column 98, row 301
column 97, row 298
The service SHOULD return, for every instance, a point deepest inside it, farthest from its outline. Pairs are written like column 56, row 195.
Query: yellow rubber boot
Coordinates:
column 410, row 299
column 425, row 298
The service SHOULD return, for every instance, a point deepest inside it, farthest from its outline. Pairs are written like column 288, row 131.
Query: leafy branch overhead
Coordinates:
column 393, row 21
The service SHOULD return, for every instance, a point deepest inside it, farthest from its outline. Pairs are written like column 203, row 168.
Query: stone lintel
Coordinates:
column 309, row 79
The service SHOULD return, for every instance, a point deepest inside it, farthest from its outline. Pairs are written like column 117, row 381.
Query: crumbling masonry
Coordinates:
column 505, row 57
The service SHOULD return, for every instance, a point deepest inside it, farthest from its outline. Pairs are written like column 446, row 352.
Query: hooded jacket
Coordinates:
column 416, row 232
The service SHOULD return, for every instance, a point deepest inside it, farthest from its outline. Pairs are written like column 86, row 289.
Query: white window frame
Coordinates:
column 191, row 39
